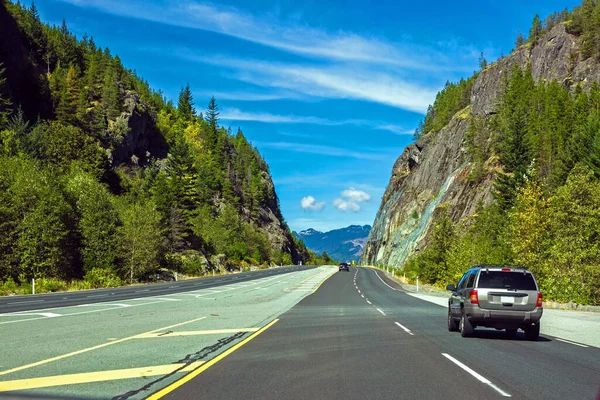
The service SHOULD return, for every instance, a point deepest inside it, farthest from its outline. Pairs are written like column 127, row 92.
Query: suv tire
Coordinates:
column 466, row 329
column 452, row 325
column 533, row 332
column 511, row 333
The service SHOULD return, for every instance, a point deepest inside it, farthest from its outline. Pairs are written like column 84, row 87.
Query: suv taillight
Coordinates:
column 473, row 297
column 538, row 303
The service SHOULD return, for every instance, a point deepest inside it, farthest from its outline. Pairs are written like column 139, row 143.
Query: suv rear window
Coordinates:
column 506, row 280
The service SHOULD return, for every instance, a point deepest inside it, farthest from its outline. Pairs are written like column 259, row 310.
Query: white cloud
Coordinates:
column 319, row 149
column 346, row 206
column 286, row 35
column 244, row 96
column 355, row 195
column 309, row 203
column 340, row 81
column 351, row 200
column 358, row 66
column 235, row 114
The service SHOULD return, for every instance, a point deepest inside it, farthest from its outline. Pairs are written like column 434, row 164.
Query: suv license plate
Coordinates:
column 507, row 299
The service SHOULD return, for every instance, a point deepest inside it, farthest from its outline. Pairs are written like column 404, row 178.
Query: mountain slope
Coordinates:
column 102, row 176
column 343, row 244
column 493, row 173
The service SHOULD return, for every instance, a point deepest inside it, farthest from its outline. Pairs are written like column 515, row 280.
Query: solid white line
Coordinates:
column 98, row 295
column 476, row 375
column 576, row 344
column 384, row 281
column 405, row 328
column 380, row 311
column 24, row 302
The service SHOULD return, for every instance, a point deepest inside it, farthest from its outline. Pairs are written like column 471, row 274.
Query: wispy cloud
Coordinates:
column 288, row 36
column 309, row 203
column 318, row 149
column 235, row 114
column 244, row 96
column 335, row 81
column 344, row 64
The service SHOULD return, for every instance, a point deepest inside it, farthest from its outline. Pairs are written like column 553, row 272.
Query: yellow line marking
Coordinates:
column 191, row 333
column 322, row 282
column 74, row 353
column 99, row 376
column 207, row 365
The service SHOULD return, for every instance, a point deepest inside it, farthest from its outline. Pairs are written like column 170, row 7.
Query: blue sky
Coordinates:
column 329, row 92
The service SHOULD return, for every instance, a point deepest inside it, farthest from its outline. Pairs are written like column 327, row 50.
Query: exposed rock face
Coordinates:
column 433, row 170
column 143, row 140
column 271, row 222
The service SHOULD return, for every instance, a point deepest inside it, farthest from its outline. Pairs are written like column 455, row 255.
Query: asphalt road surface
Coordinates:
column 64, row 299
column 308, row 334
column 359, row 337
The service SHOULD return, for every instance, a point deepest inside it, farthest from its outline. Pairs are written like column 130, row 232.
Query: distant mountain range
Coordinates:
column 345, row 244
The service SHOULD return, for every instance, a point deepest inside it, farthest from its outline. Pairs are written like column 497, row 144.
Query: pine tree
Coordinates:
column 185, row 106
column 111, row 95
column 482, row 61
column 520, row 41
column 536, row 30
column 212, row 115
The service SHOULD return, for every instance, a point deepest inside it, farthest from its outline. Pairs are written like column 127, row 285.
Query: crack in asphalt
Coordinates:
column 187, row 360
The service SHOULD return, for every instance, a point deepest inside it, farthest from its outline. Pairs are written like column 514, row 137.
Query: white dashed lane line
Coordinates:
column 476, row 375
column 573, row 343
column 405, row 328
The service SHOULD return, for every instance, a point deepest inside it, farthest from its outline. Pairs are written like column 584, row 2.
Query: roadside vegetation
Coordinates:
column 73, row 218
column 543, row 151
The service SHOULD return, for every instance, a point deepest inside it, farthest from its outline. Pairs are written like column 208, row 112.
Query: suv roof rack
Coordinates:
column 488, row 266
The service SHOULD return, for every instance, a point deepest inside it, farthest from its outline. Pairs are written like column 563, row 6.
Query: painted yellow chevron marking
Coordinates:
column 99, row 376
column 74, row 353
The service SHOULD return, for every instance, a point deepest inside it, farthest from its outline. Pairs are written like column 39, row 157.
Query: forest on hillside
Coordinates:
column 542, row 149
column 78, row 204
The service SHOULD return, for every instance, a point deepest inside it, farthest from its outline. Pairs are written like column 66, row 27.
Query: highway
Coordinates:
column 314, row 333
column 64, row 299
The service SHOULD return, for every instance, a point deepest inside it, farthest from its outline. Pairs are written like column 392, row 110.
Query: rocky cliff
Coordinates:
column 433, row 171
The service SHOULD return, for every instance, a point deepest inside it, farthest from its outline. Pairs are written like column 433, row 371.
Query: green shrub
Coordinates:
column 102, row 278
column 45, row 285
column 193, row 266
column 8, row 287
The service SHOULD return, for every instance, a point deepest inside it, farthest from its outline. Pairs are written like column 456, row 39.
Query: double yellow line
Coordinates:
column 208, row 364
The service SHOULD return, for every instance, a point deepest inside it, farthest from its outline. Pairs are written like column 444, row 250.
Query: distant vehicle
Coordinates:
column 493, row 296
column 344, row 266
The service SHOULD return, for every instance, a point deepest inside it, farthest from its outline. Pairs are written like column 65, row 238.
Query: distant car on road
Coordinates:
column 344, row 266
column 495, row 296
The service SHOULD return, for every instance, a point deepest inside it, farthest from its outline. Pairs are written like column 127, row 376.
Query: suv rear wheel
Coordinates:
column 452, row 326
column 511, row 333
column 533, row 332
column 466, row 329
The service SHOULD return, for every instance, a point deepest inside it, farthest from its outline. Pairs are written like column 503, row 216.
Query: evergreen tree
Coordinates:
column 212, row 117
column 185, row 106
column 520, row 41
column 482, row 62
column 536, row 30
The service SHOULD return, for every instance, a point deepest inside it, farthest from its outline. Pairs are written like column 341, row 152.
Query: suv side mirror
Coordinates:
column 450, row 287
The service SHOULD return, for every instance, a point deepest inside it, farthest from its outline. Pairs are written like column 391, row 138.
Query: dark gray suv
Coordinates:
column 494, row 296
